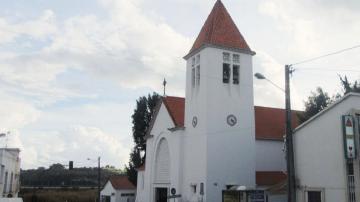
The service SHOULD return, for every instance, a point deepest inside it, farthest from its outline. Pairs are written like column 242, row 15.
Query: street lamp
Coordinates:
column 262, row 77
column 290, row 164
column 99, row 176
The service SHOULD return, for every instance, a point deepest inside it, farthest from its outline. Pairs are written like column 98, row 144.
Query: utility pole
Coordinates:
column 291, row 183
column 99, row 195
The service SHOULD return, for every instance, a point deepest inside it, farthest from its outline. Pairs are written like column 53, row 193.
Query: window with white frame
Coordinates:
column 193, row 188
column 236, row 69
column 226, row 57
column 5, row 182
column 226, row 73
column 231, row 63
column 198, row 75
column 236, row 58
column 193, row 72
column 314, row 196
column 226, row 67
column 197, row 62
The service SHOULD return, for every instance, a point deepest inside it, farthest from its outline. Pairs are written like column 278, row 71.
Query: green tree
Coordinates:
column 348, row 86
column 316, row 102
column 141, row 118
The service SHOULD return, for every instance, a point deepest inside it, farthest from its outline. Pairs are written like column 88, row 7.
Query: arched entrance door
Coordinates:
column 162, row 172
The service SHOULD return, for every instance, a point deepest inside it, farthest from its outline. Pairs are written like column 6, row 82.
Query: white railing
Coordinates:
column 351, row 188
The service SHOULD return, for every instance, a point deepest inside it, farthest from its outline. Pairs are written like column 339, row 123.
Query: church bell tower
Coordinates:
column 219, row 108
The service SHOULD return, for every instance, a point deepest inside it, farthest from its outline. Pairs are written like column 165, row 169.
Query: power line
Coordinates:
column 326, row 55
column 326, row 69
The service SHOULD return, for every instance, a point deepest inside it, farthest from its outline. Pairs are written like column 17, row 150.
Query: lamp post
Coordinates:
column 99, row 178
column 290, row 164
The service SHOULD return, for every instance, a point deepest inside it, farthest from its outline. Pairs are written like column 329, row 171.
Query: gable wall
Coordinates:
column 108, row 190
column 319, row 152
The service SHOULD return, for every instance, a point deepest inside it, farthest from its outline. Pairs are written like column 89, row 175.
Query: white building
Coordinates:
column 118, row 189
column 9, row 172
column 214, row 139
column 322, row 169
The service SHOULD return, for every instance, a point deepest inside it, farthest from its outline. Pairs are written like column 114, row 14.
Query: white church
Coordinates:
column 215, row 141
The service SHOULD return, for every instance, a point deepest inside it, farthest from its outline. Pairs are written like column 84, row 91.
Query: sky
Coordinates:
column 71, row 71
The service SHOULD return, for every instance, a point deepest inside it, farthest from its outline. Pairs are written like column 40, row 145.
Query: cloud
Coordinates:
column 314, row 26
column 306, row 29
column 79, row 132
column 16, row 113
column 39, row 28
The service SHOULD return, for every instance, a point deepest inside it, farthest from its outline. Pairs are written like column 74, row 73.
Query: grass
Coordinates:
column 59, row 195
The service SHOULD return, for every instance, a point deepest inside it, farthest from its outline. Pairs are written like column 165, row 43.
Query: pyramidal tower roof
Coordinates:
column 220, row 30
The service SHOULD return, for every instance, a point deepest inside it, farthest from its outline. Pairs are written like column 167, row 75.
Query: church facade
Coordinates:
column 215, row 140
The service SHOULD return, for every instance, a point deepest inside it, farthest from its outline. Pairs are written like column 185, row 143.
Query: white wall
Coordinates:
column 319, row 153
column 160, row 132
column 214, row 151
column 115, row 195
column 109, row 190
column 10, row 163
column 120, row 198
column 270, row 155
column 140, row 196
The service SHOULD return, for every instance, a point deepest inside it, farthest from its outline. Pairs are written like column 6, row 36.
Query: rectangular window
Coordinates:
column 193, row 77
column 193, row 61
column 11, row 182
column 236, row 58
column 226, row 73
column 236, row 69
column 198, row 75
column 2, row 172
column 358, row 119
column 193, row 188
column 5, row 182
column 197, row 59
column 314, row 196
column 226, row 57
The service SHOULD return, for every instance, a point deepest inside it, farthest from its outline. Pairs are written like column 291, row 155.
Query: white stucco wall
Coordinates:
column 319, row 153
column 270, row 155
column 221, row 154
column 10, row 163
column 160, row 133
column 115, row 195
column 140, row 196
column 109, row 190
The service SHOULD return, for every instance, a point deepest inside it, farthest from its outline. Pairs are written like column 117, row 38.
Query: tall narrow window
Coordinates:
column 11, row 182
column 226, row 73
column 193, row 77
column 198, row 75
column 5, row 182
column 236, row 74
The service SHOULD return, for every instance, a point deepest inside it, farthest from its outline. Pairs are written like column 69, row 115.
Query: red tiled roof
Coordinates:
column 219, row 29
column 269, row 122
column 176, row 108
column 267, row 178
column 121, row 182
